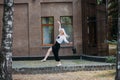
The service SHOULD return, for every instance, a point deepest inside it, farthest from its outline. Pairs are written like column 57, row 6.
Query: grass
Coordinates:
column 109, row 73
column 79, row 75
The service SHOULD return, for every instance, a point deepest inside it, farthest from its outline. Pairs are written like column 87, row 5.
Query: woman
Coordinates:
column 55, row 48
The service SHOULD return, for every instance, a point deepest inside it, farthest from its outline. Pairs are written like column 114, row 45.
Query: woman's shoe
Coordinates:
column 59, row 64
column 43, row 60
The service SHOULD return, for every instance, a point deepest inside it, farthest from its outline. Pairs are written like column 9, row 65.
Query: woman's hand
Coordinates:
column 58, row 22
column 70, row 43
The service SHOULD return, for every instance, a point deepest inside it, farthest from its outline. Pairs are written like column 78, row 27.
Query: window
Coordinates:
column 47, row 24
column 66, row 23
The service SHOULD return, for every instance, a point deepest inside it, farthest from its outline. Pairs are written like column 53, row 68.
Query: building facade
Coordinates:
column 36, row 27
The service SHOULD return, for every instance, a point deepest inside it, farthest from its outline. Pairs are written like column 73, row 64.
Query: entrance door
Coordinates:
column 90, row 39
column 92, row 36
column 90, row 28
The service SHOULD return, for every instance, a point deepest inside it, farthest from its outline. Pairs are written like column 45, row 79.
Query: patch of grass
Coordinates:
column 79, row 75
column 111, row 59
column 110, row 73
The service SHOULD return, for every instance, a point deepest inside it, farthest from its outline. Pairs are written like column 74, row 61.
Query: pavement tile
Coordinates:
column 52, row 63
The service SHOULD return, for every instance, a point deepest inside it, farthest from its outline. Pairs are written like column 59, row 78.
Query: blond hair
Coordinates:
column 64, row 32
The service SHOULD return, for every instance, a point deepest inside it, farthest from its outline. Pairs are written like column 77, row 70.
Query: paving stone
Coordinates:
column 35, row 66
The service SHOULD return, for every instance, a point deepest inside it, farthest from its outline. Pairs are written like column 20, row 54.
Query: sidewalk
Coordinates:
column 36, row 66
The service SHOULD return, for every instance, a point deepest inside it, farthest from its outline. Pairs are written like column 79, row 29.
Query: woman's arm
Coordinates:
column 65, row 40
column 59, row 25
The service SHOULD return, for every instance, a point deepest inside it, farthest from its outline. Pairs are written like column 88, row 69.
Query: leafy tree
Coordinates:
column 118, row 46
column 101, row 2
column 113, row 15
column 118, row 50
column 6, row 45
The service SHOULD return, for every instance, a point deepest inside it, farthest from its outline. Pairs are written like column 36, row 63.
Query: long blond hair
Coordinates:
column 64, row 32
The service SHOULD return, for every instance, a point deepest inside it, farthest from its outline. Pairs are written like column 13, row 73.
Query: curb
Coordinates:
column 94, row 58
column 43, row 70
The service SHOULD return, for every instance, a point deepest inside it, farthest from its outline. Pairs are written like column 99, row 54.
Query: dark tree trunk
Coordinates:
column 118, row 51
column 6, row 44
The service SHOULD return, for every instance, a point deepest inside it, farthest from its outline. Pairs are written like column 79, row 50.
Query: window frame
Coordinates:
column 42, row 34
column 68, row 45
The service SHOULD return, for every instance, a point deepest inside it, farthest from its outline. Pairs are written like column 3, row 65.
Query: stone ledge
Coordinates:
column 43, row 70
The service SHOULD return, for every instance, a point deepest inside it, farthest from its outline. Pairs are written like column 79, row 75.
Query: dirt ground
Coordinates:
column 80, row 75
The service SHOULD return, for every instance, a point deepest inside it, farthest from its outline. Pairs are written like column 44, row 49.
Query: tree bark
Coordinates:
column 118, row 48
column 6, row 44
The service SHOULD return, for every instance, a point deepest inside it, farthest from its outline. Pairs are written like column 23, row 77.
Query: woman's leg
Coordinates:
column 56, row 55
column 57, row 58
column 59, row 63
column 47, row 54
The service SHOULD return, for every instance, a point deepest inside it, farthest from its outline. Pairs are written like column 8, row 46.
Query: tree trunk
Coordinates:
column 6, row 45
column 118, row 51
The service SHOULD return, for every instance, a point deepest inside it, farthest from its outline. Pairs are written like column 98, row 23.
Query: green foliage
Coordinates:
column 113, row 13
column 111, row 59
column 112, row 42
column 99, row 2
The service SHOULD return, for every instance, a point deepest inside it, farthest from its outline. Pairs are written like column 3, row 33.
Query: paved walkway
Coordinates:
column 52, row 63
column 36, row 66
